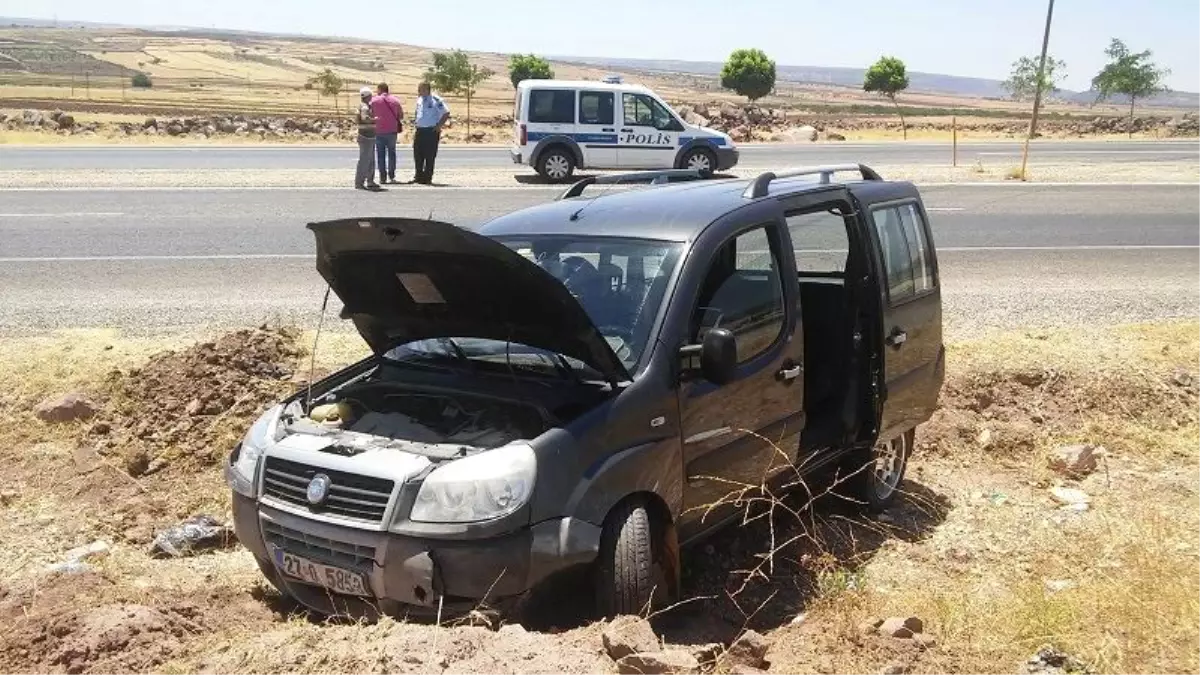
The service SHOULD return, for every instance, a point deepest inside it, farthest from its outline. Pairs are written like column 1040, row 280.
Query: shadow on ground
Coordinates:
column 833, row 540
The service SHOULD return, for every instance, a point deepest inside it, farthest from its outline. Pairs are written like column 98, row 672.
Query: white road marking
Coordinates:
column 77, row 214
column 309, row 256
column 1051, row 151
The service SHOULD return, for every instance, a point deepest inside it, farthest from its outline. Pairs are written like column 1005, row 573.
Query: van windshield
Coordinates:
column 620, row 282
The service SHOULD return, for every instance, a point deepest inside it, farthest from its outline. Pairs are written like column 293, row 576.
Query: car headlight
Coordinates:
column 244, row 467
column 486, row 486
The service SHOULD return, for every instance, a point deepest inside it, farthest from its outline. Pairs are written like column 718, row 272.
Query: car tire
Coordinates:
column 556, row 164
column 702, row 159
column 633, row 568
column 875, row 485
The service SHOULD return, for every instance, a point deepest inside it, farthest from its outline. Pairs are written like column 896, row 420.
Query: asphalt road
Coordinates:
column 283, row 158
column 166, row 260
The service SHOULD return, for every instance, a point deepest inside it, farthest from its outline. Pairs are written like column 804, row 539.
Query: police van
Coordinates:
column 563, row 125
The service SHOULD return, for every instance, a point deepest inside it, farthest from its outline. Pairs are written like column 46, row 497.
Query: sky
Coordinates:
column 953, row 37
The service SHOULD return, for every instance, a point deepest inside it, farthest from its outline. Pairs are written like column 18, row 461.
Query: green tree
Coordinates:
column 328, row 83
column 453, row 72
column 1022, row 83
column 888, row 77
column 528, row 67
column 142, row 81
column 749, row 73
column 1129, row 74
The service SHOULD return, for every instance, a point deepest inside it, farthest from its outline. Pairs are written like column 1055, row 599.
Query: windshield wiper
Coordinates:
column 459, row 354
column 564, row 367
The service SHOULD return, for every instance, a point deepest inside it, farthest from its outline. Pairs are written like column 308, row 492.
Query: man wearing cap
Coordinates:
column 364, row 176
column 431, row 116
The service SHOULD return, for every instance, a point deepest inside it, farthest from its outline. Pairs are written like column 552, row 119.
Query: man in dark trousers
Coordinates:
column 431, row 116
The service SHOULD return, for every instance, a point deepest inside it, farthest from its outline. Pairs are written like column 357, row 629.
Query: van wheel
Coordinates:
column 637, row 562
column 556, row 164
column 876, row 485
column 702, row 160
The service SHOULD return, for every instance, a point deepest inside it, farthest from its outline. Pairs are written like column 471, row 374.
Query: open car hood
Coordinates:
column 404, row 279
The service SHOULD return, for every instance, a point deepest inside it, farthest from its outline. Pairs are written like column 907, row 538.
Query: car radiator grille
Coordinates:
column 320, row 549
column 351, row 496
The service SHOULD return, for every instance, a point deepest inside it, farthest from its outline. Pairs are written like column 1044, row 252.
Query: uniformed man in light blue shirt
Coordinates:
column 431, row 116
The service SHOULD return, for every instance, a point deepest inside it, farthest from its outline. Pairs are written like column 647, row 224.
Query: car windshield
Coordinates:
column 619, row 282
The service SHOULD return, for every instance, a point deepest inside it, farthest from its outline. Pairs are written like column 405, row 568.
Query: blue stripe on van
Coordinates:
column 596, row 139
column 711, row 140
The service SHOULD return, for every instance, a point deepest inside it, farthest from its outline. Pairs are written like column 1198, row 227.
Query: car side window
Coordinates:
column 743, row 292
column 642, row 110
column 595, row 107
column 905, row 250
column 552, row 106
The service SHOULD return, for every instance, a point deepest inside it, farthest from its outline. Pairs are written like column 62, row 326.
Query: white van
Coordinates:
column 563, row 125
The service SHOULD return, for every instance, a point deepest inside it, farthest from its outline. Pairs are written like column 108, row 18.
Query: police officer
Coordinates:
column 431, row 116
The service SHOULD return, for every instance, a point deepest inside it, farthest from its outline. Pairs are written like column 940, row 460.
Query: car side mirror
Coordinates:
column 718, row 355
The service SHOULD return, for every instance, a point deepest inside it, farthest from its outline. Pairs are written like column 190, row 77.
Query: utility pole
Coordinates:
column 1037, row 96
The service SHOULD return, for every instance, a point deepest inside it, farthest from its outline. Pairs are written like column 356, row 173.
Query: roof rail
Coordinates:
column 655, row 178
column 762, row 183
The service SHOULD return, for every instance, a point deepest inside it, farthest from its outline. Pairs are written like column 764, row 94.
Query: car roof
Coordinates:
column 674, row 212
column 593, row 85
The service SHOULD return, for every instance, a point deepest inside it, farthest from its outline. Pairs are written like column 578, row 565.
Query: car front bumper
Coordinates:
column 408, row 574
column 727, row 158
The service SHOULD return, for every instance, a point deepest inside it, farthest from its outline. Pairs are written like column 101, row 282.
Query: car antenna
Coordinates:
column 312, row 363
column 575, row 216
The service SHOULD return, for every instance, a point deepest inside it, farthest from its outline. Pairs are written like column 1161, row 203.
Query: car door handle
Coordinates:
column 626, row 131
column 788, row 374
column 897, row 338
column 608, row 129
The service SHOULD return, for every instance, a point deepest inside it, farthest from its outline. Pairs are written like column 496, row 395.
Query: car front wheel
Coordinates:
column 556, row 164
column 701, row 160
column 636, row 563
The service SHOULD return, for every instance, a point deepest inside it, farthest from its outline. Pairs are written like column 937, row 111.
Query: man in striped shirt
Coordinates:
column 364, row 176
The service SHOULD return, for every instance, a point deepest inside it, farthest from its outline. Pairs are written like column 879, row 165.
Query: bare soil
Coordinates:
column 969, row 548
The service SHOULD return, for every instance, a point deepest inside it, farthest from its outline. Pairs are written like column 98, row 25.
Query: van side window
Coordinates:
column 743, row 292
column 595, row 107
column 552, row 106
column 819, row 241
column 905, row 249
column 643, row 111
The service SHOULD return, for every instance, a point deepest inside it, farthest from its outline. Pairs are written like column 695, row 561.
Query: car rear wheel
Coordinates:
column 556, row 164
column 701, row 160
column 876, row 485
column 637, row 561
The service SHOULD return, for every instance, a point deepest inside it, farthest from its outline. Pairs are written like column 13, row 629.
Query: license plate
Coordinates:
column 334, row 578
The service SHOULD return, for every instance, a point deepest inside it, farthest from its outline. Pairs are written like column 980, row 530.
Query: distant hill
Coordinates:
column 932, row 83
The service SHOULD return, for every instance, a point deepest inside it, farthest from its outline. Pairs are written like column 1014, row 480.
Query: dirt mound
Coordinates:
column 394, row 647
column 1015, row 410
column 189, row 407
column 110, row 638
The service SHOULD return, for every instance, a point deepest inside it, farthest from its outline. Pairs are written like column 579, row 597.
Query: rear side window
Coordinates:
column 595, row 107
column 552, row 106
column 905, row 248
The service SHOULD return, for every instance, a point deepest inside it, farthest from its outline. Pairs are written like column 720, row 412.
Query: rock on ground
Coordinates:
column 669, row 662
column 628, row 635
column 901, row 627
column 1069, row 496
column 65, row 409
column 749, row 649
column 1075, row 461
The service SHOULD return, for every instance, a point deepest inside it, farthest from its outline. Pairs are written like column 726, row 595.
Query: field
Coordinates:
column 976, row 548
column 87, row 72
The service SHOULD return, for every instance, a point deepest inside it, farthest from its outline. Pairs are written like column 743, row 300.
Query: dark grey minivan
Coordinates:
column 584, row 383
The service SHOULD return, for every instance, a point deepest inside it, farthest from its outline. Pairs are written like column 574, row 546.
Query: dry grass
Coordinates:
column 970, row 549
